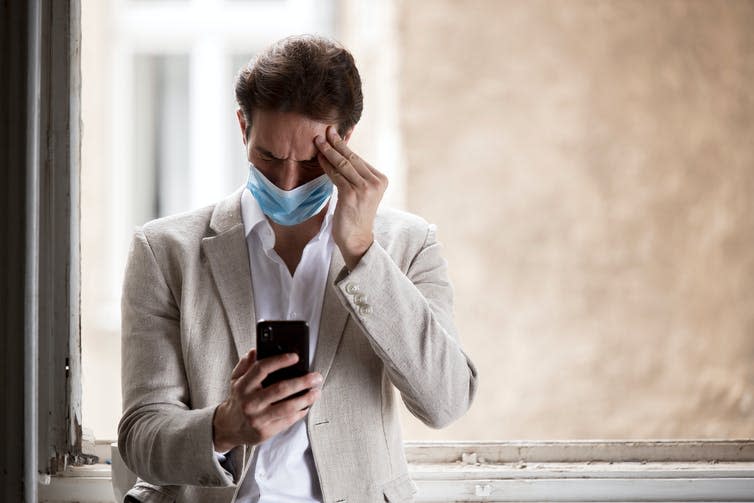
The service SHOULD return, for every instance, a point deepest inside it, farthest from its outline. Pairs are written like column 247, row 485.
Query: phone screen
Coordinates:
column 279, row 337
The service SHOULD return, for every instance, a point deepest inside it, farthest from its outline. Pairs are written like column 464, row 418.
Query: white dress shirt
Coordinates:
column 282, row 468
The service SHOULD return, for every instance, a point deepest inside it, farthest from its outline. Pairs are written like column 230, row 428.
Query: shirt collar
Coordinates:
column 254, row 218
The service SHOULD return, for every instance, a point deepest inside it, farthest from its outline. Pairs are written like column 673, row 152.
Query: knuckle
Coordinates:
column 342, row 163
column 283, row 388
column 267, row 366
column 235, row 387
column 290, row 407
column 256, row 369
column 248, row 411
column 253, row 422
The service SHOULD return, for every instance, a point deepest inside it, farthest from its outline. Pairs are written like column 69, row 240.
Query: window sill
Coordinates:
column 594, row 470
column 515, row 471
column 730, row 481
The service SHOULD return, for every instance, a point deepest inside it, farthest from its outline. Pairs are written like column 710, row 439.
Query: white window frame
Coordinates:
column 589, row 470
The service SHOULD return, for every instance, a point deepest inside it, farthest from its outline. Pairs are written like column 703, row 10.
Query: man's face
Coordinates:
column 281, row 146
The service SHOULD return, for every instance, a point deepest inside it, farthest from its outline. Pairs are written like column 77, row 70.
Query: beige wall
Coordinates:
column 590, row 165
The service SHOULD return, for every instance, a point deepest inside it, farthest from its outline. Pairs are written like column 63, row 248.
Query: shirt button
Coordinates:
column 364, row 310
column 352, row 288
column 292, row 315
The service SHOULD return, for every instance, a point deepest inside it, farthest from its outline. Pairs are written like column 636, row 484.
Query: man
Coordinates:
column 197, row 424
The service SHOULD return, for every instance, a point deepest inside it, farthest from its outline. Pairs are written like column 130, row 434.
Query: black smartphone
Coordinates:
column 279, row 337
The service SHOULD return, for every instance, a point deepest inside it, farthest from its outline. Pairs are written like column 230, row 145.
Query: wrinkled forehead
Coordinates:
column 285, row 134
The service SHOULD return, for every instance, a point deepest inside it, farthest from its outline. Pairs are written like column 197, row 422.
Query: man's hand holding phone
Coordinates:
column 253, row 413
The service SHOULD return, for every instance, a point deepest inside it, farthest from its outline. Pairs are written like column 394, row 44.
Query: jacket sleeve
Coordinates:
column 160, row 437
column 408, row 319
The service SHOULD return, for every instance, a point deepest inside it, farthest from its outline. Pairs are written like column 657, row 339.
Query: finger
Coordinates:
column 244, row 364
column 286, row 411
column 338, row 179
column 284, row 389
column 377, row 173
column 292, row 406
column 339, row 163
column 266, row 366
column 262, row 368
column 282, row 424
column 340, row 146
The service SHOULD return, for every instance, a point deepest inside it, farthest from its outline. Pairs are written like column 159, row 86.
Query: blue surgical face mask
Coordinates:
column 289, row 207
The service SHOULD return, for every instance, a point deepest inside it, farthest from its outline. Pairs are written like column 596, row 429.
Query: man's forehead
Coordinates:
column 285, row 134
column 271, row 119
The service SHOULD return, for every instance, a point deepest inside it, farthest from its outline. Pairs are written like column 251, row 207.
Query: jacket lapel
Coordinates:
column 333, row 320
column 228, row 257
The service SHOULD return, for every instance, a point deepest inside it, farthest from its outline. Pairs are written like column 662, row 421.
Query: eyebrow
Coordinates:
column 266, row 152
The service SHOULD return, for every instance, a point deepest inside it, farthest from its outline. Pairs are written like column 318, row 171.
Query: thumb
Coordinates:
column 244, row 363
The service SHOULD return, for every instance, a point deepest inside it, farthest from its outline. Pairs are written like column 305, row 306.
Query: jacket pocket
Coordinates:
column 400, row 490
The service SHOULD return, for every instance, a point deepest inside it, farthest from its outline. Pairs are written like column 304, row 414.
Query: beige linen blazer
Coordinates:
column 188, row 313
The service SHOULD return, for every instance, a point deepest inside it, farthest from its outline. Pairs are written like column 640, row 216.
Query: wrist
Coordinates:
column 352, row 253
column 352, row 259
column 221, row 439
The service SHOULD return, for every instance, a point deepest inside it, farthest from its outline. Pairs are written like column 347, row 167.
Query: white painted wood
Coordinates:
column 531, row 481
column 573, row 451
column 564, row 482
column 509, row 471
column 556, row 490
column 85, row 484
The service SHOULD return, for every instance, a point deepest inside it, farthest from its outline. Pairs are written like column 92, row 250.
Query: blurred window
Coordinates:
column 160, row 137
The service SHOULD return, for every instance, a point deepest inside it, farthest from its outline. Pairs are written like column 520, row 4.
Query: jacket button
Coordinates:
column 352, row 288
column 360, row 299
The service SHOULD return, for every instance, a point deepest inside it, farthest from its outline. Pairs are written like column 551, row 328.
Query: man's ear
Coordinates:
column 242, row 123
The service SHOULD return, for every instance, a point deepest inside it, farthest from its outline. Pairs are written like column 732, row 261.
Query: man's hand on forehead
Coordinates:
column 360, row 190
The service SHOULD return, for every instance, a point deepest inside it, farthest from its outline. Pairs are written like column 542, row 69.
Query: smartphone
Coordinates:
column 279, row 337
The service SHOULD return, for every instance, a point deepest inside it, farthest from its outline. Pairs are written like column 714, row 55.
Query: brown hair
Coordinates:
column 306, row 74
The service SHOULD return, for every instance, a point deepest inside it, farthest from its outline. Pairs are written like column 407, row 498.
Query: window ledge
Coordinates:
column 631, row 481
column 511, row 471
column 593, row 470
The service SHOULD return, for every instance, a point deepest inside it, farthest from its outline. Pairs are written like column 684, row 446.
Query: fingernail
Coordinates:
column 319, row 139
column 317, row 379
